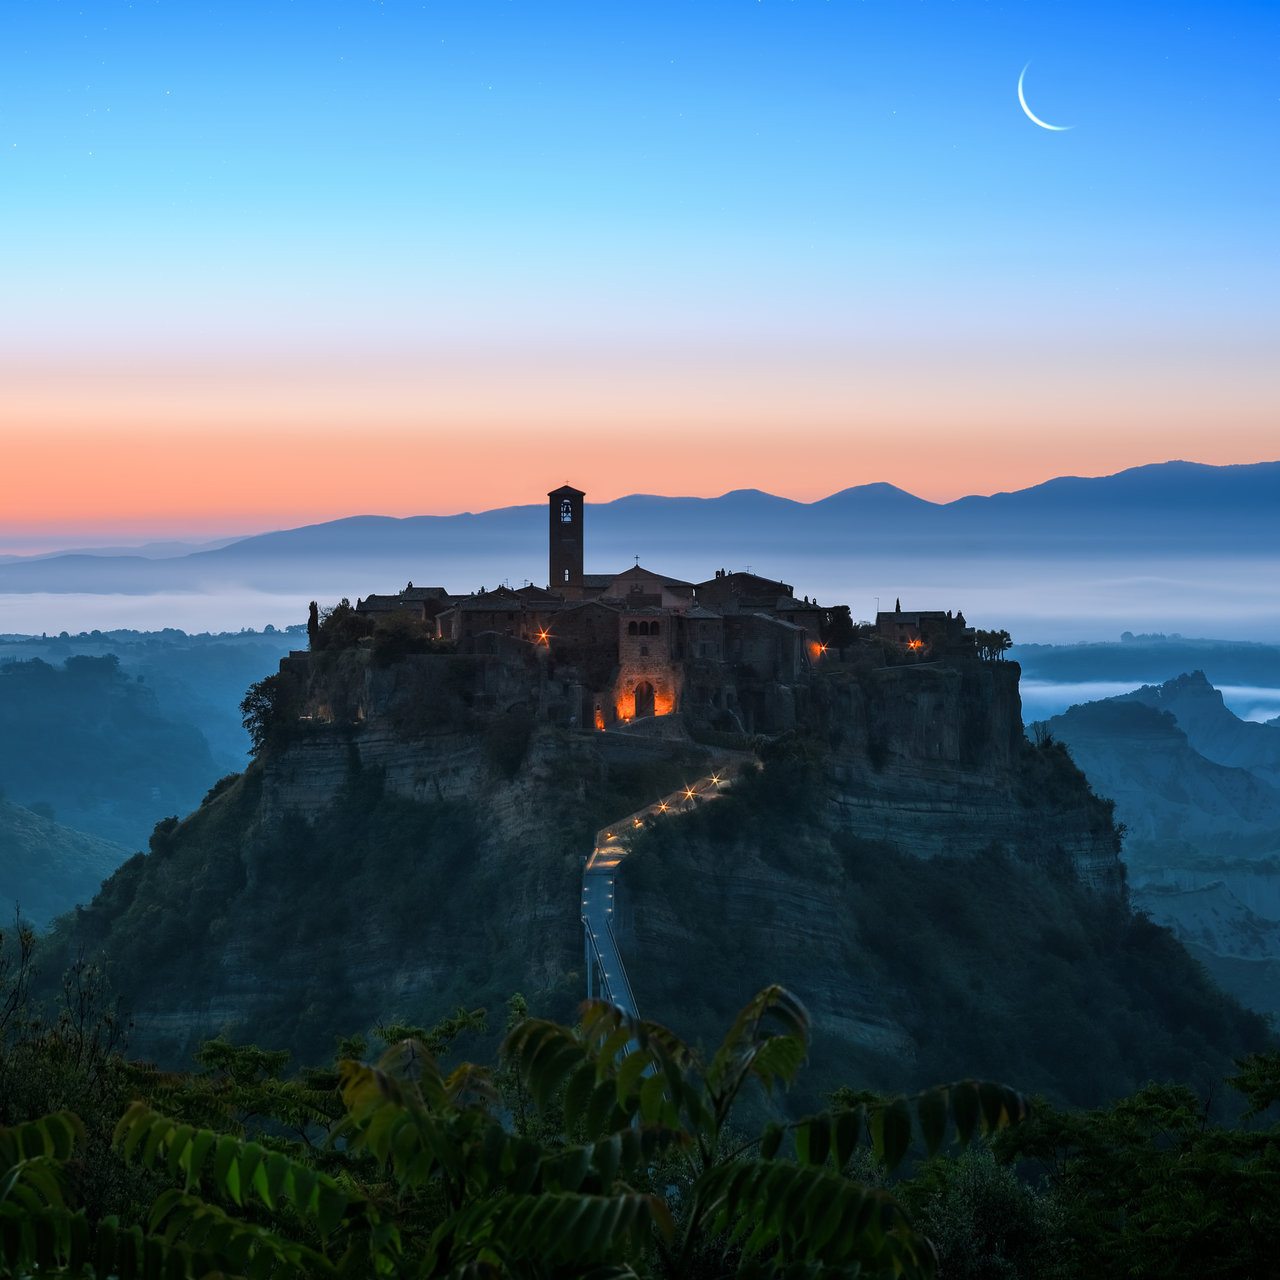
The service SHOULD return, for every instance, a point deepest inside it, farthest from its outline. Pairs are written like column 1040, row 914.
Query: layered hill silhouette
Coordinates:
column 1179, row 778
column 1161, row 510
column 89, row 745
column 1199, row 791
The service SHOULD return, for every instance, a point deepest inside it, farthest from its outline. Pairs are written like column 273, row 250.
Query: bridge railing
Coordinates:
column 623, row 996
column 631, row 1006
column 595, row 963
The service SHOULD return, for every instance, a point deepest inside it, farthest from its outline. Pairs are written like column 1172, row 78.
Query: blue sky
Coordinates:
column 780, row 186
column 543, row 146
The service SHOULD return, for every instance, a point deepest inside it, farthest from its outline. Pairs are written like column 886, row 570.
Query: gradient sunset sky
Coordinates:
column 269, row 263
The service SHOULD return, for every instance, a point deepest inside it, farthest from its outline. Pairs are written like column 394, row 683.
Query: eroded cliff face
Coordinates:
column 416, row 841
column 363, row 873
column 933, row 759
column 927, row 786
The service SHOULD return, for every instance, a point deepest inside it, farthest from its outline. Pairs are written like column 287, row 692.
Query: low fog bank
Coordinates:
column 1042, row 699
column 1038, row 601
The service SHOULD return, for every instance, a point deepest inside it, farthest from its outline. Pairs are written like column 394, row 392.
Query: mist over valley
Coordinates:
column 1169, row 548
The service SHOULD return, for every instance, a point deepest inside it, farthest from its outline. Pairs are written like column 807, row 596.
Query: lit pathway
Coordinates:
column 606, row 976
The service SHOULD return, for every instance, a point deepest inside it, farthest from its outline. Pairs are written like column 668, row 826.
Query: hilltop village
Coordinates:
column 734, row 652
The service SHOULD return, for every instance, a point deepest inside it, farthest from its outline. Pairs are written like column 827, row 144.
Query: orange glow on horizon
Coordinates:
column 213, row 450
column 241, row 481
column 247, row 481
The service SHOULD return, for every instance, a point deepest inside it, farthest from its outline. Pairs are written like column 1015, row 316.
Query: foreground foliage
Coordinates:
column 600, row 1150
column 607, row 1149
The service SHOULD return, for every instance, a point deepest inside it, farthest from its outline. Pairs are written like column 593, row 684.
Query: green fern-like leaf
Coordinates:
column 231, row 1168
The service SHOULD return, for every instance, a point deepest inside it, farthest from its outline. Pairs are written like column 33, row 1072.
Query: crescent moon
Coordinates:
column 1031, row 115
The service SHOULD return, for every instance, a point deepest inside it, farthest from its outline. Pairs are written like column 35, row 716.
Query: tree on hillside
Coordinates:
column 992, row 645
column 1150, row 1186
column 270, row 709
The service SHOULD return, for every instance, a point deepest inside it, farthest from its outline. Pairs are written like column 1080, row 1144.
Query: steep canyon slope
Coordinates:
column 1199, row 790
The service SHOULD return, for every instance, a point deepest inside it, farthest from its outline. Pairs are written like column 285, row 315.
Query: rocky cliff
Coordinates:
column 932, row 758
column 357, row 875
column 943, row 894
column 903, row 871
column 1197, row 789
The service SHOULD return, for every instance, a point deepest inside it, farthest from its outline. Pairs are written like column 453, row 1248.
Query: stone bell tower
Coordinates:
column 565, row 540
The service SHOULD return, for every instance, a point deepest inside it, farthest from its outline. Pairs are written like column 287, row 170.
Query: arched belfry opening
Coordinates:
column 565, row 539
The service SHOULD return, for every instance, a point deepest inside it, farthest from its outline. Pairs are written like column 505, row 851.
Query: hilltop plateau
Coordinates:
column 946, row 896
column 432, row 772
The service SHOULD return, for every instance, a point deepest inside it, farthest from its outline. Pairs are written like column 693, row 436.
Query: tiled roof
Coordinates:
column 753, row 582
column 779, row 622
column 493, row 600
column 913, row 618
column 587, row 604
column 639, row 571
column 386, row 604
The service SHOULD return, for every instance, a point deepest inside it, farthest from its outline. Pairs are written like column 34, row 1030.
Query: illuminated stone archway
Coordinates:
column 644, row 699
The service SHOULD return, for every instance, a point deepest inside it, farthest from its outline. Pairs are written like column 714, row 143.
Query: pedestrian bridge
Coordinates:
column 606, row 974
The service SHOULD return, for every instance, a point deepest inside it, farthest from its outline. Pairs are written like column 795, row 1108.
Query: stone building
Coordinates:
column 923, row 630
column 422, row 603
column 734, row 651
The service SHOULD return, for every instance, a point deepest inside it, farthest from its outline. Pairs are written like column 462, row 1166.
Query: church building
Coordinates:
column 732, row 650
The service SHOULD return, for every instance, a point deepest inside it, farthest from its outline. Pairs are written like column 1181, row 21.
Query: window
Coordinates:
column 632, row 629
column 566, row 575
column 566, row 511
column 644, row 628
column 653, row 630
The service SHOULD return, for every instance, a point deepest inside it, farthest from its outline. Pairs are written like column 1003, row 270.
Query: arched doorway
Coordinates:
column 644, row 699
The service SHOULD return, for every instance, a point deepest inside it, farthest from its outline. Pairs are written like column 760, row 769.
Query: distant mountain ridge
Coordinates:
column 1160, row 510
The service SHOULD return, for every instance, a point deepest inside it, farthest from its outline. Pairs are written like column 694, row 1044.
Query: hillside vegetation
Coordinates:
column 91, row 746
column 46, row 868
column 197, row 679
column 606, row 1148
